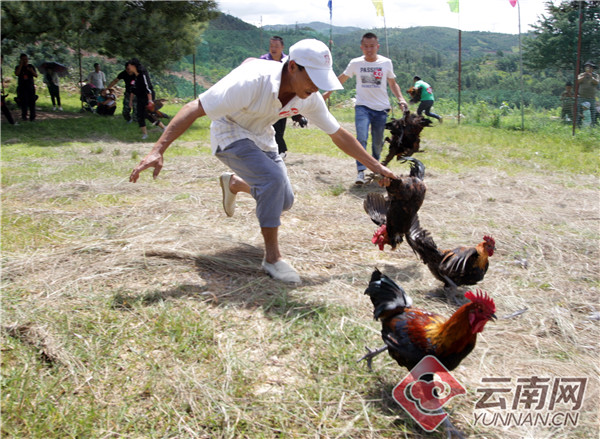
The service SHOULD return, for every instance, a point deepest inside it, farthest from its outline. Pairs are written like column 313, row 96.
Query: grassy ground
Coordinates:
column 139, row 311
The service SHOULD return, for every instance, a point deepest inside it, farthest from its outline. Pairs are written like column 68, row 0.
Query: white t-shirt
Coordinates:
column 371, row 81
column 97, row 78
column 245, row 104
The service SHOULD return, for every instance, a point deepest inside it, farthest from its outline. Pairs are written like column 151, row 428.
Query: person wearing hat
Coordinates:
column 373, row 75
column 588, row 85
column 243, row 106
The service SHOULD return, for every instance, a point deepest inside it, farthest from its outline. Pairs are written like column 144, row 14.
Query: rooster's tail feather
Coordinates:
column 386, row 295
column 422, row 243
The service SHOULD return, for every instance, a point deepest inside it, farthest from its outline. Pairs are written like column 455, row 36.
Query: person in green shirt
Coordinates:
column 426, row 94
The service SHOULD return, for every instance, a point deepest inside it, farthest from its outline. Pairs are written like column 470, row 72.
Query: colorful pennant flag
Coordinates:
column 329, row 5
column 454, row 5
column 513, row 2
column 378, row 7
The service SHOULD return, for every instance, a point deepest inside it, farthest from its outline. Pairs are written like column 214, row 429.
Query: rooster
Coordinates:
column 459, row 266
column 410, row 333
column 406, row 135
column 395, row 214
column 415, row 94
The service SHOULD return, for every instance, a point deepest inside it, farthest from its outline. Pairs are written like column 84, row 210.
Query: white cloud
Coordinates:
column 482, row 15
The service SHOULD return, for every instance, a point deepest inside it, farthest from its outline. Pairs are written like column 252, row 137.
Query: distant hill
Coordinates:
column 316, row 25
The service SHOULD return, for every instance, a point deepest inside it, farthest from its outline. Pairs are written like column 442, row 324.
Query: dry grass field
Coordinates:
column 140, row 311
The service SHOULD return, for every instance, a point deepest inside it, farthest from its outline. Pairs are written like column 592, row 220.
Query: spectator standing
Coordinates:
column 144, row 92
column 97, row 78
column 26, row 96
column 129, row 109
column 373, row 75
column 588, row 85
column 567, row 99
column 53, row 83
column 275, row 53
column 243, row 107
column 425, row 91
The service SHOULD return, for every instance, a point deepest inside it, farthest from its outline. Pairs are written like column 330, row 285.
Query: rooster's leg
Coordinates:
column 451, row 430
column 371, row 353
column 452, row 292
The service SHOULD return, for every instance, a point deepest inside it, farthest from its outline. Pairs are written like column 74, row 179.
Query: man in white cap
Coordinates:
column 243, row 107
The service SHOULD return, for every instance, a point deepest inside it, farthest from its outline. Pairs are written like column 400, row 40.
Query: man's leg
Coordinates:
column 270, row 236
column 378, row 120
column 279, row 127
column 362, row 122
column 126, row 108
column 264, row 176
column 32, row 107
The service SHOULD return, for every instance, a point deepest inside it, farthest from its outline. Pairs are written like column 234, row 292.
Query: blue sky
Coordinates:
column 475, row 15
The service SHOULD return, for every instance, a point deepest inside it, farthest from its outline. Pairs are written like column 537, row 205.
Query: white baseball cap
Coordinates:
column 315, row 57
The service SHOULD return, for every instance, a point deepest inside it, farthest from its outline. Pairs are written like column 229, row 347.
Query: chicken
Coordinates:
column 459, row 266
column 415, row 94
column 395, row 214
column 406, row 133
column 410, row 334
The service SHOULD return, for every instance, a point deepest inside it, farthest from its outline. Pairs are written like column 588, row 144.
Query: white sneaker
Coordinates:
column 282, row 271
column 145, row 136
column 53, row 108
column 60, row 109
column 228, row 196
column 283, row 155
column 360, row 178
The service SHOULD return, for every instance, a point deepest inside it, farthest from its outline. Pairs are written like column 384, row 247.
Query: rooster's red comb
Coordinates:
column 490, row 240
column 482, row 298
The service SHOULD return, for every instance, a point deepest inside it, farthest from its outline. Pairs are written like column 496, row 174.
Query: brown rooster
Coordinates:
column 410, row 333
column 459, row 266
column 406, row 135
column 415, row 94
column 395, row 214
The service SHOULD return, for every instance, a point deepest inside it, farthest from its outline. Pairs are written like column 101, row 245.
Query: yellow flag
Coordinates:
column 378, row 7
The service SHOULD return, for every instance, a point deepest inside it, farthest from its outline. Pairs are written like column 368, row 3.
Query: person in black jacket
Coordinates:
column 26, row 87
column 129, row 111
column 144, row 92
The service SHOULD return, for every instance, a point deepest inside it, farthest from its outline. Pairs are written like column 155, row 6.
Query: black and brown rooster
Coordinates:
column 406, row 135
column 459, row 266
column 410, row 334
column 394, row 215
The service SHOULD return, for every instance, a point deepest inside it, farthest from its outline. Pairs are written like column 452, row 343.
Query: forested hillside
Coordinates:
column 490, row 61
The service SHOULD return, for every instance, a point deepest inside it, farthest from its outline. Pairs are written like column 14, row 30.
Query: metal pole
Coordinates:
column 330, row 43
column 80, row 73
column 194, row 62
column 575, row 103
column 459, row 70
column 521, row 68
column 387, row 50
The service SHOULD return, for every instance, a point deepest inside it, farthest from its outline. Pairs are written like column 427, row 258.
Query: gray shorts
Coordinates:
column 265, row 173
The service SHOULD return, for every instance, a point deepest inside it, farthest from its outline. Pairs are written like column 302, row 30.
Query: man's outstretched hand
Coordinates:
column 152, row 160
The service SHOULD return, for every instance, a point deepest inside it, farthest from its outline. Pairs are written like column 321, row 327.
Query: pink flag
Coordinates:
column 513, row 2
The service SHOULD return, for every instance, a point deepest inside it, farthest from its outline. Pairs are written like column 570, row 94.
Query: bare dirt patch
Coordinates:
column 170, row 240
